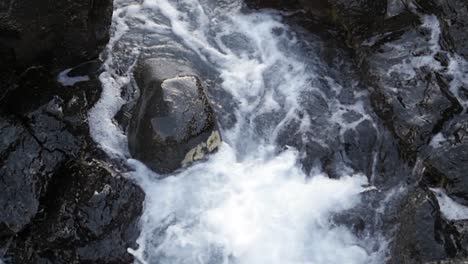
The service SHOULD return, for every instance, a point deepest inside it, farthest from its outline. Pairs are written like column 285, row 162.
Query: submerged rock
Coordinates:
column 173, row 123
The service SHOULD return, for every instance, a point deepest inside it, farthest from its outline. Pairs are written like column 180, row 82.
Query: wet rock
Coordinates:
column 423, row 235
column 89, row 214
column 173, row 124
column 453, row 15
column 54, row 33
column 21, row 188
column 410, row 88
column 404, row 50
column 31, row 150
column 404, row 55
column 345, row 136
column 277, row 4
column 446, row 165
column 56, row 205
column 49, row 211
column 358, row 18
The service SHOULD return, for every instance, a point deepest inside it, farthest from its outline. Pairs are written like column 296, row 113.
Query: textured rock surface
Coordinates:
column 424, row 235
column 64, row 33
column 65, row 204
column 89, row 215
column 410, row 84
column 173, row 123
column 61, row 202
column 31, row 152
column 453, row 15
column 447, row 162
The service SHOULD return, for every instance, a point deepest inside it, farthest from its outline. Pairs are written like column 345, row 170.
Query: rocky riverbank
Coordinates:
column 62, row 201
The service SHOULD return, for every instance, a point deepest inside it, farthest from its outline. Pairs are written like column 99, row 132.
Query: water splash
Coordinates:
column 251, row 202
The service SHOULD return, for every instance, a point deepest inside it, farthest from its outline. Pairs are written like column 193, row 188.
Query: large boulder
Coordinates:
column 54, row 33
column 173, row 123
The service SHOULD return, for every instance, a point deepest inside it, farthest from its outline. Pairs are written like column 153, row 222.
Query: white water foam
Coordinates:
column 437, row 140
column 261, row 210
column 66, row 80
column 449, row 208
column 249, row 203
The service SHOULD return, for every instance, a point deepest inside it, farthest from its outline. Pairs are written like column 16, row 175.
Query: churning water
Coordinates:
column 251, row 202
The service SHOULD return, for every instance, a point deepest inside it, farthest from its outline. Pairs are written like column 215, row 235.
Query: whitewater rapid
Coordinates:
column 251, row 202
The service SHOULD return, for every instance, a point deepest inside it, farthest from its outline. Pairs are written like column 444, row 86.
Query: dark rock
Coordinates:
column 89, row 214
column 21, row 188
column 277, row 4
column 31, row 150
column 410, row 90
column 447, row 162
column 49, row 211
column 358, row 18
column 423, row 235
column 173, row 123
column 345, row 135
column 60, row 201
column 453, row 15
column 33, row 88
column 54, row 33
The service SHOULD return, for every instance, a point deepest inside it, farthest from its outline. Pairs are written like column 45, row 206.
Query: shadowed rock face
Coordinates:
column 55, row 33
column 358, row 18
column 173, row 123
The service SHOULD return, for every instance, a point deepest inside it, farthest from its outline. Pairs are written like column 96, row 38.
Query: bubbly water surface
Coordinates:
column 251, row 202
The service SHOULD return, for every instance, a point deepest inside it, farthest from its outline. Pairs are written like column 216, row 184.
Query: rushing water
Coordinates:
column 251, row 202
